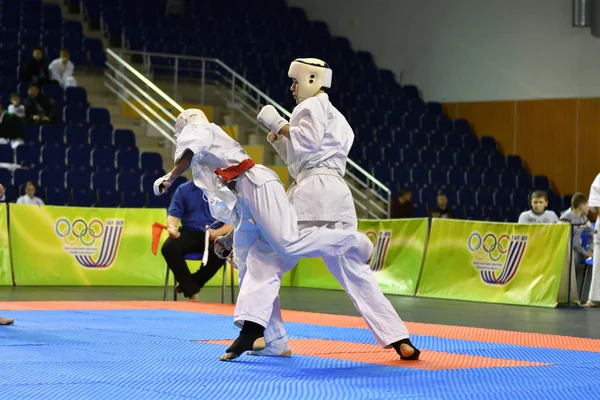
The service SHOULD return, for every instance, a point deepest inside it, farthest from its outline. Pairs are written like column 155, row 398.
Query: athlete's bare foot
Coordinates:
column 193, row 297
column 6, row 321
column 406, row 350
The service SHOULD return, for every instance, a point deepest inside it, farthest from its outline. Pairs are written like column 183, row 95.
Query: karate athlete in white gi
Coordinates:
column 315, row 145
column 252, row 198
column 594, row 201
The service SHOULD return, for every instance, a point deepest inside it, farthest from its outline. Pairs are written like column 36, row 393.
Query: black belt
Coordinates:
column 231, row 185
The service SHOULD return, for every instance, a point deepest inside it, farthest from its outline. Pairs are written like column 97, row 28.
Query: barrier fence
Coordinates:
column 447, row 259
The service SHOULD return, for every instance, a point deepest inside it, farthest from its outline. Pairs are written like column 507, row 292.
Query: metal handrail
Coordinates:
column 240, row 86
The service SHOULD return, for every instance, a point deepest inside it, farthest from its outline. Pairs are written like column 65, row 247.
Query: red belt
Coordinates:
column 230, row 173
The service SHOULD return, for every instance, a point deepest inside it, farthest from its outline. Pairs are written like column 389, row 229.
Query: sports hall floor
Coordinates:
column 124, row 343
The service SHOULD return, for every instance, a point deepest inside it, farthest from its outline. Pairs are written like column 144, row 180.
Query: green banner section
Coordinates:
column 397, row 259
column 495, row 262
column 85, row 246
column 6, row 266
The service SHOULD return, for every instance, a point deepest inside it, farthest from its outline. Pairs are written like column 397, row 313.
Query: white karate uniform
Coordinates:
column 316, row 154
column 64, row 77
column 36, row 201
column 594, row 201
column 265, row 221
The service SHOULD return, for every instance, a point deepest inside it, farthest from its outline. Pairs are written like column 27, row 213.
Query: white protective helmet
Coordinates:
column 312, row 74
column 189, row 116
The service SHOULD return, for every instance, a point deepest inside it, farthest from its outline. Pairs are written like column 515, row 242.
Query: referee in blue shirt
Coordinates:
column 191, row 209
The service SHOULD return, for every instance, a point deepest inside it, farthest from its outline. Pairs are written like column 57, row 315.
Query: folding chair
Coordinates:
column 198, row 257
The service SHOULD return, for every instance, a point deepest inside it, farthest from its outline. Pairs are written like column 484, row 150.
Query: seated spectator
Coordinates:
column 401, row 206
column 577, row 216
column 441, row 210
column 15, row 106
column 2, row 193
column 12, row 128
column 39, row 109
column 29, row 197
column 36, row 69
column 538, row 213
column 61, row 70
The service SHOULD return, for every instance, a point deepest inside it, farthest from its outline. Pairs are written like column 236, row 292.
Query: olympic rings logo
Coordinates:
column 488, row 246
column 79, row 231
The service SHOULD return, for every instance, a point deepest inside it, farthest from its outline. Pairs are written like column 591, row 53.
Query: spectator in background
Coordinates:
column 538, row 213
column 442, row 210
column 36, row 69
column 15, row 106
column 29, row 197
column 577, row 216
column 11, row 128
column 401, row 206
column 4, row 321
column 61, row 70
column 39, row 109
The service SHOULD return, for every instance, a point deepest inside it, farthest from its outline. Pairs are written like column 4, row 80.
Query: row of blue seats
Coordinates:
column 77, row 135
column 73, row 96
column 83, row 157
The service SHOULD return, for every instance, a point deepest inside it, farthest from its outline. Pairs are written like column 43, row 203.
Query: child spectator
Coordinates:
column 538, row 213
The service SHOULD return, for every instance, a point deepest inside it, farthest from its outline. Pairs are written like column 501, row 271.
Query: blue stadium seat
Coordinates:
column 53, row 156
column 78, row 179
column 508, row 180
column 541, row 182
column 409, row 156
column 445, row 158
column 429, row 122
column 520, row 200
column 502, row 198
column 28, row 156
column 437, row 176
column 132, row 199
column 410, row 122
column 400, row 175
column 32, row 135
column 5, row 176
column 383, row 173
column 480, row 159
column 76, row 96
column 418, row 139
column 98, row 117
column 462, row 126
column 128, row 181
column 419, row 211
column 419, row 176
column 474, row 178
column 52, row 134
column 56, row 196
column 55, row 92
column 107, row 198
column 487, row 143
column 497, row 161
column 473, row 213
column 470, row 142
column 104, row 158
column 52, row 178
column 483, row 197
column 158, row 201
column 523, row 181
column 436, row 140
column 76, row 136
column 23, row 175
column 103, row 180
column 128, row 157
column 428, row 197
column 462, row 159
column 456, row 177
column 83, row 197
column 490, row 179
column 124, row 138
column 78, row 157
column 465, row 197
column 6, row 154
column 514, row 162
column 492, row 213
column 100, row 137
column 75, row 115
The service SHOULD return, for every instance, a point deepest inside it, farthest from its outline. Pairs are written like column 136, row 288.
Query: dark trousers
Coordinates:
column 174, row 250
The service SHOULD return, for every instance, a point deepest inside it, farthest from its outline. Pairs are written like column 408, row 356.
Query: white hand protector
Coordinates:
column 271, row 119
column 273, row 137
column 224, row 245
column 160, row 187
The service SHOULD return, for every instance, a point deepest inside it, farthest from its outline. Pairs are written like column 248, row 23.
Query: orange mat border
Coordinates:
column 373, row 354
column 343, row 321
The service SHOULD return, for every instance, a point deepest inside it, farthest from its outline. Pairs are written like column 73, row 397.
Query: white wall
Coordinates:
column 471, row 50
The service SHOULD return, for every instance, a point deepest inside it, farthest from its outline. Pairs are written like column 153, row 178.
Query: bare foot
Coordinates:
column 6, row 321
column 592, row 304
column 193, row 298
column 178, row 289
column 259, row 344
column 406, row 350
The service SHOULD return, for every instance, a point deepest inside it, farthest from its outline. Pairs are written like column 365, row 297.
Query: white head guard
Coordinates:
column 312, row 74
column 189, row 116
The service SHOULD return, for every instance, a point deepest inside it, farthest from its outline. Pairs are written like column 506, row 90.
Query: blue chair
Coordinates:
column 128, row 181
column 473, row 178
column 82, row 197
column 23, row 175
column 488, row 143
column 76, row 135
column 78, row 180
column 462, row 126
column 75, row 115
column 53, row 156
column 409, row 156
column 52, row 178
column 470, row 142
column 107, row 198
column 76, row 96
column 103, row 158
column 78, row 157
column 100, row 137
column 52, row 134
column 98, row 117
column 462, row 159
column 437, row 176
column 541, row 182
column 158, row 201
column 132, row 199
column 123, row 138
column 7, row 154
column 56, row 196
column 128, row 157
column 456, row 177
column 151, row 161
column 103, row 180
column 483, row 198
